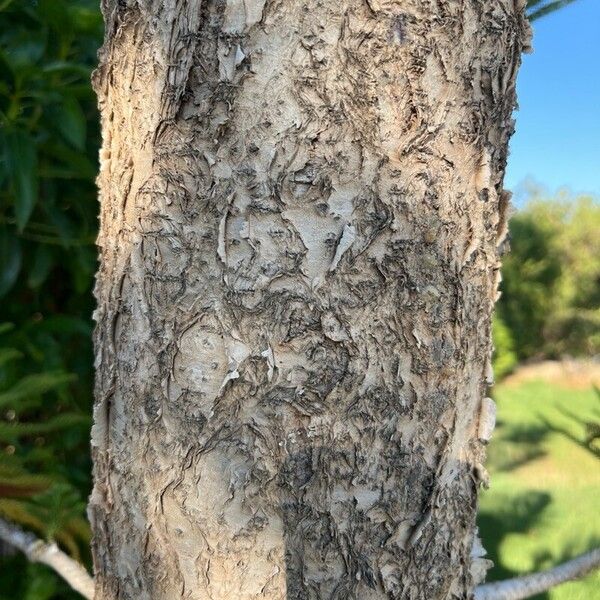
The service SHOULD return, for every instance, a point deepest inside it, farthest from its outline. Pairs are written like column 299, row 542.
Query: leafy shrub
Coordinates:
column 48, row 219
column 48, row 143
column 551, row 279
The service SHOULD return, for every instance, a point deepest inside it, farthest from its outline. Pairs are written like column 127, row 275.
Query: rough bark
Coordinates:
column 301, row 215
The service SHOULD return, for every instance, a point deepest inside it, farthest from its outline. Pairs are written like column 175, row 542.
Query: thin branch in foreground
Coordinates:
column 49, row 554
column 536, row 583
column 518, row 588
column 547, row 9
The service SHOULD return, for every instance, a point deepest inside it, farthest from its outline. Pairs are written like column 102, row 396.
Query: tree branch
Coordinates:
column 547, row 9
column 518, row 588
column 529, row 585
column 49, row 554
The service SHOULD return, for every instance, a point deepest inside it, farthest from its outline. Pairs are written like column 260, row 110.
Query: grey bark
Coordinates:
column 301, row 215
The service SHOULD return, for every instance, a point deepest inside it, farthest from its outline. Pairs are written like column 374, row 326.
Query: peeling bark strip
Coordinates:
column 301, row 205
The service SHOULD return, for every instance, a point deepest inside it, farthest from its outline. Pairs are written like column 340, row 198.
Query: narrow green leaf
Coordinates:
column 40, row 583
column 74, row 159
column 10, row 259
column 33, row 385
column 70, row 121
column 24, row 49
column 42, row 264
column 56, row 14
column 6, row 327
column 87, row 19
column 22, row 166
column 12, row 431
column 62, row 221
column 8, row 354
column 63, row 66
column 5, row 4
column 6, row 73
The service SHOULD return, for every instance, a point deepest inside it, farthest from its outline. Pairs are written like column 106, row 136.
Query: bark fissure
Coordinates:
column 301, row 210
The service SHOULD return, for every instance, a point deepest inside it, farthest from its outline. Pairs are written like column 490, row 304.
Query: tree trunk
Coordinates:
column 301, row 210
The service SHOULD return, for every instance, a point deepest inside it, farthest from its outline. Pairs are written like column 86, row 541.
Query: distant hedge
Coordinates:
column 550, row 303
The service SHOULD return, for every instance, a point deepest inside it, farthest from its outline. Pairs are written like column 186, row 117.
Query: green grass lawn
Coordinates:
column 543, row 505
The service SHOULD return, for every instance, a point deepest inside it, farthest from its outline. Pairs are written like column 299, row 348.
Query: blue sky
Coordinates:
column 557, row 138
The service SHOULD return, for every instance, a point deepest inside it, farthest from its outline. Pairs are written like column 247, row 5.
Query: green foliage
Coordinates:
column 40, row 427
column 56, row 508
column 28, row 581
column 505, row 357
column 551, row 279
column 48, row 141
column 48, row 217
column 30, row 385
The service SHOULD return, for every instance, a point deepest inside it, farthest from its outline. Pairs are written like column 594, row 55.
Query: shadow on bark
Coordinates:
column 321, row 559
column 347, row 537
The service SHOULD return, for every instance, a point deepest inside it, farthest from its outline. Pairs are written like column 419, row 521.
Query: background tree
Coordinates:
column 550, row 303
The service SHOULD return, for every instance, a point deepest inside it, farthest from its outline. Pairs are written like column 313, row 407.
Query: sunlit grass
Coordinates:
column 543, row 506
